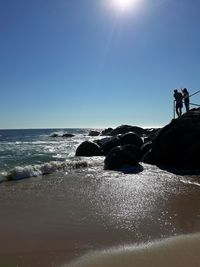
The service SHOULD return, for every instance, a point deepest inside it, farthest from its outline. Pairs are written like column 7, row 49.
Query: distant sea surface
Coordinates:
column 34, row 152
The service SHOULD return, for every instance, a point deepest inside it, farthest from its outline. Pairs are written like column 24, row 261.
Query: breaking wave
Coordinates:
column 28, row 171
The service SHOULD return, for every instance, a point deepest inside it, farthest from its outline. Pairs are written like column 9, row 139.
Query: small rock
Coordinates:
column 66, row 135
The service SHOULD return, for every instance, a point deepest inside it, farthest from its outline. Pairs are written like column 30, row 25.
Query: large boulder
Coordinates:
column 130, row 138
column 128, row 128
column 89, row 149
column 121, row 156
column 108, row 143
column 177, row 145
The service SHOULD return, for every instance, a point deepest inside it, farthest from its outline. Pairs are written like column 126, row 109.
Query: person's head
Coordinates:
column 185, row 90
column 175, row 91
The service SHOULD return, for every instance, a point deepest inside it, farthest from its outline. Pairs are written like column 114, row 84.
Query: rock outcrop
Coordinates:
column 128, row 128
column 121, row 148
column 177, row 145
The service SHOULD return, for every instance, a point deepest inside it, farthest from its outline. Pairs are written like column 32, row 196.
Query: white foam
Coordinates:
column 58, row 133
column 181, row 251
column 190, row 182
column 46, row 168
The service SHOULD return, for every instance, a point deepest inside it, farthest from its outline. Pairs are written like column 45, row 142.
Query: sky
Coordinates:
column 88, row 63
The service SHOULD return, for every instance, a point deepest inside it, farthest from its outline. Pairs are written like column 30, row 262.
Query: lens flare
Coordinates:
column 124, row 5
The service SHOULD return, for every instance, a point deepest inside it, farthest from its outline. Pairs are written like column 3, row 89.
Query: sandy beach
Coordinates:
column 50, row 220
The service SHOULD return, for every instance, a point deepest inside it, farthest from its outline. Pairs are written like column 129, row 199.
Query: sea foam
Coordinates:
column 178, row 251
column 19, row 172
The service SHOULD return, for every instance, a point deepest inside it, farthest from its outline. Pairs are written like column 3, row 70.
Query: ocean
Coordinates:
column 56, row 207
column 29, row 153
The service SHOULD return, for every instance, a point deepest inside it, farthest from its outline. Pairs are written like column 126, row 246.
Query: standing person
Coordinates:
column 186, row 98
column 179, row 103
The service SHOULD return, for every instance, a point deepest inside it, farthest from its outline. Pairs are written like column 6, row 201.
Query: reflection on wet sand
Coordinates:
column 57, row 218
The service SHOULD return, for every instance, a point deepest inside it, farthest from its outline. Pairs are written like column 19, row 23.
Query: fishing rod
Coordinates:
column 195, row 93
column 195, row 105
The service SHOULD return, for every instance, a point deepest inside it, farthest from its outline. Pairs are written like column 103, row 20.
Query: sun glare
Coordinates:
column 124, row 5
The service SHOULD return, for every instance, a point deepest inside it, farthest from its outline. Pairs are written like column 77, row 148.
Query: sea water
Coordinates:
column 34, row 152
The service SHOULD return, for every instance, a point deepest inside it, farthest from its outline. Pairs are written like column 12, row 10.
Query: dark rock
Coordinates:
column 146, row 158
column 94, row 133
column 55, row 135
column 89, row 149
column 131, row 169
column 151, row 134
column 108, row 143
column 130, row 138
column 120, row 156
column 106, row 131
column 128, row 128
column 147, row 139
column 177, row 145
column 103, row 141
column 66, row 135
column 146, row 147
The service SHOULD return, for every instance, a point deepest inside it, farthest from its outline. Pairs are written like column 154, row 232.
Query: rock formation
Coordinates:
column 177, row 145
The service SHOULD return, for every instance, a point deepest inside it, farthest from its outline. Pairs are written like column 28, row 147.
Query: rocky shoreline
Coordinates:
column 175, row 146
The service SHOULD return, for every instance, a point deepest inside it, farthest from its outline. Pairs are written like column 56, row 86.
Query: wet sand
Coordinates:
column 47, row 221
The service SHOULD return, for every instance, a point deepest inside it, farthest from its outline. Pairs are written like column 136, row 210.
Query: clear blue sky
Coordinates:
column 83, row 63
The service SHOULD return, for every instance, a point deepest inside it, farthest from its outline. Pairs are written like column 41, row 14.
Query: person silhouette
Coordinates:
column 186, row 98
column 179, row 103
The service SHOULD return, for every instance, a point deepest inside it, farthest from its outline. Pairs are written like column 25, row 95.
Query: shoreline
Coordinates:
column 51, row 220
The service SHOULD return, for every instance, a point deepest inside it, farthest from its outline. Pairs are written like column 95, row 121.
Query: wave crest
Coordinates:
column 28, row 171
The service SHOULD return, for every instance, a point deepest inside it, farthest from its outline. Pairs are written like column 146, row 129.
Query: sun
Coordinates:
column 124, row 5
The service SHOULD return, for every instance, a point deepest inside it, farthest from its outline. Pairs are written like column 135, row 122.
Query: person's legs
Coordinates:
column 177, row 110
column 187, row 106
column 180, row 111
